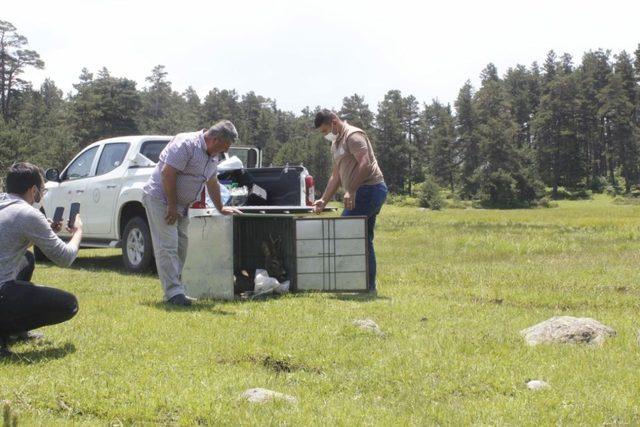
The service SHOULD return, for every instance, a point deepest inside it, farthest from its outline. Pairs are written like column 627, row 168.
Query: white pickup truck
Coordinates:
column 107, row 178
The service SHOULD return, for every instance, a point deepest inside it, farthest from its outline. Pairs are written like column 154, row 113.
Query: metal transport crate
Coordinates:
column 327, row 254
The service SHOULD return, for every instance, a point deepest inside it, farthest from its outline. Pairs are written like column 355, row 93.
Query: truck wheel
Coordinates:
column 39, row 255
column 137, row 250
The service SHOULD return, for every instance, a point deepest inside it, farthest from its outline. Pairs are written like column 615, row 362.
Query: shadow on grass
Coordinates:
column 360, row 297
column 39, row 355
column 208, row 306
column 111, row 263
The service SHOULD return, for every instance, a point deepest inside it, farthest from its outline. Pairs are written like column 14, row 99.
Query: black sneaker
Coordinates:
column 181, row 300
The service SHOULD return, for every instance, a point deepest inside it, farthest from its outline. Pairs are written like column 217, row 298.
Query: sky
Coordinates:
column 314, row 53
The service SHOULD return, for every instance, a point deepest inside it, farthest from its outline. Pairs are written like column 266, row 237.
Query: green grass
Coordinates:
column 455, row 289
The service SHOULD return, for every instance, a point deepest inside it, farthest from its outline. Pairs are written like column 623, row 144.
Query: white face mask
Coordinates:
column 331, row 137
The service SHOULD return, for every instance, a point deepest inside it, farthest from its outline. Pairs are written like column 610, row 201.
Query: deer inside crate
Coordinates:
column 273, row 263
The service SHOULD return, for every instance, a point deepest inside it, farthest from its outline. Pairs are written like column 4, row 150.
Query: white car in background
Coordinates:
column 107, row 178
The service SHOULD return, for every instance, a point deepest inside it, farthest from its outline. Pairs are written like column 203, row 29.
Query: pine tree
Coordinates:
column 617, row 113
column 593, row 76
column 357, row 112
column 636, row 63
column 467, row 135
column 392, row 147
column 623, row 66
column 191, row 110
column 218, row 105
column 518, row 85
column 249, row 122
column 104, row 107
column 441, row 143
column 506, row 176
column 416, row 155
column 307, row 147
column 535, row 90
column 550, row 69
column 558, row 153
column 14, row 59
column 158, row 104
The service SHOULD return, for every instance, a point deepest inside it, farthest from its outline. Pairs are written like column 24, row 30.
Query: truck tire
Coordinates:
column 137, row 250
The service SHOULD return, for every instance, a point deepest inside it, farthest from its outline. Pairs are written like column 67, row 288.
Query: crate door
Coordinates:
column 332, row 254
column 208, row 269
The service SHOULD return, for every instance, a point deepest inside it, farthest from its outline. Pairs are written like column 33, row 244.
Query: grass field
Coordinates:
column 455, row 289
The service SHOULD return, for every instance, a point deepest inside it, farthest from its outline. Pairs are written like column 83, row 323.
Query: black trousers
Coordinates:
column 25, row 306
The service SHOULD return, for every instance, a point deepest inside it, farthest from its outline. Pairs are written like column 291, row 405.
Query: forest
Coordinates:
column 563, row 127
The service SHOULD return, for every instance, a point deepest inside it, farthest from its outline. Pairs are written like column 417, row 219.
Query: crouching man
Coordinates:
column 23, row 305
column 186, row 164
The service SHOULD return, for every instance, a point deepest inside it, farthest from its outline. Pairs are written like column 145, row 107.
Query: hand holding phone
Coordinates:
column 57, row 216
column 56, row 223
column 75, row 210
column 77, row 225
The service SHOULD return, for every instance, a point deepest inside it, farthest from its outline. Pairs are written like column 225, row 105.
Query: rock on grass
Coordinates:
column 537, row 385
column 568, row 330
column 262, row 395
column 368, row 325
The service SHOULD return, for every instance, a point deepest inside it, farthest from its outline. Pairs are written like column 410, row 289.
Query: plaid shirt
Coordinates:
column 187, row 153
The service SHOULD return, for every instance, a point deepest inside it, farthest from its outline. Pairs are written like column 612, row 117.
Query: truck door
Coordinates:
column 73, row 185
column 103, row 189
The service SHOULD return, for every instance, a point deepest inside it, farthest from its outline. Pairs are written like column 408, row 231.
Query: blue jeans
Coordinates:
column 369, row 201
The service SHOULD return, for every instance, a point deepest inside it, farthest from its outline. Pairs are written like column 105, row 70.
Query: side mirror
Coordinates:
column 52, row 175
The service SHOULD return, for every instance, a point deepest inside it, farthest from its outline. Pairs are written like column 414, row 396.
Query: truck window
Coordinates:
column 112, row 157
column 242, row 154
column 81, row 166
column 248, row 156
column 152, row 149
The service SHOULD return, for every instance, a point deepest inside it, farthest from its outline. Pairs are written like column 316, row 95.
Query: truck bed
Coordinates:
column 283, row 185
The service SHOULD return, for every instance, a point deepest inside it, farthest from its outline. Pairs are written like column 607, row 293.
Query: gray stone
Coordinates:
column 568, row 330
column 262, row 395
column 368, row 325
column 537, row 385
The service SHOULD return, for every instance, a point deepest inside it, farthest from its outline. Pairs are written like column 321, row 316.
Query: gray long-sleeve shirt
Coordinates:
column 22, row 225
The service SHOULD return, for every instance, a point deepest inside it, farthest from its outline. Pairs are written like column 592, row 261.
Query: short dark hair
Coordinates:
column 22, row 176
column 324, row 116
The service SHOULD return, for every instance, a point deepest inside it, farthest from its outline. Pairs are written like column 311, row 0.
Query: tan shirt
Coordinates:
column 345, row 149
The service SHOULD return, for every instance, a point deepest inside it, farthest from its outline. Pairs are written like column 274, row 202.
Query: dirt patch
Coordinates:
column 278, row 365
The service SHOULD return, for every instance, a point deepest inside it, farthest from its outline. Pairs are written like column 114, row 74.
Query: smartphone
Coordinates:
column 57, row 216
column 75, row 210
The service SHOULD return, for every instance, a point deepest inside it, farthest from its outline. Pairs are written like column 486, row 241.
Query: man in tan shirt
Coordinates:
column 356, row 169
